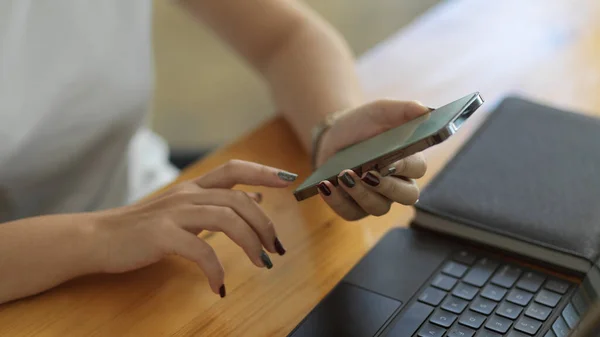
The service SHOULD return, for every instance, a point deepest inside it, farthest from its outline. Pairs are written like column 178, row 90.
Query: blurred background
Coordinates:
column 206, row 96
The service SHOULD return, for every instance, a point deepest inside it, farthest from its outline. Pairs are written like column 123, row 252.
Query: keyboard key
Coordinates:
column 579, row 302
column 514, row 333
column 560, row 327
column 520, row 297
column 432, row 296
column 465, row 291
column 465, row 257
column 509, row 310
column 483, row 306
column 454, row 269
column 411, row 319
column 430, row 330
column 538, row 311
column 528, row 325
column 549, row 334
column 571, row 316
column 557, row 286
column 444, row 282
column 531, row 281
column 460, row 331
column 494, row 293
column 487, row 333
column 472, row 319
column 454, row 304
column 481, row 272
column 443, row 318
column 548, row 298
column 506, row 276
column 498, row 324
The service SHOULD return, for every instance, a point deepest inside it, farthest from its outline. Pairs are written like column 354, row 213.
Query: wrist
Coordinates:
column 319, row 136
column 94, row 244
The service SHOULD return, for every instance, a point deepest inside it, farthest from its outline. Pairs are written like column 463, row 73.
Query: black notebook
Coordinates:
column 528, row 181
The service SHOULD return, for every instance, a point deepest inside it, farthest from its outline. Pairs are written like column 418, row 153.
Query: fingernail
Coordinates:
column 279, row 247
column 222, row 291
column 287, row 176
column 371, row 179
column 347, row 180
column 430, row 109
column 266, row 260
column 259, row 197
column 324, row 189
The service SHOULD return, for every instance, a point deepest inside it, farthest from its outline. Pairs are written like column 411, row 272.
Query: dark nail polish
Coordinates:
column 222, row 291
column 279, row 247
column 287, row 176
column 347, row 180
column 266, row 260
column 324, row 189
column 259, row 197
column 371, row 179
column 430, row 109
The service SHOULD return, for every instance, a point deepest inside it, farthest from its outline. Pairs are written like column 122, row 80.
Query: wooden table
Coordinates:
column 547, row 50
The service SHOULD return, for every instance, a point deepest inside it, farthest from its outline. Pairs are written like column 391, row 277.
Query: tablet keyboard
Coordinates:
column 474, row 296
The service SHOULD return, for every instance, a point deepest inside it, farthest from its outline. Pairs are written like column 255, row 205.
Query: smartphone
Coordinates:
column 378, row 152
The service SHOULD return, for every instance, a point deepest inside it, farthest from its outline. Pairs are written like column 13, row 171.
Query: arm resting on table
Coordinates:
column 39, row 253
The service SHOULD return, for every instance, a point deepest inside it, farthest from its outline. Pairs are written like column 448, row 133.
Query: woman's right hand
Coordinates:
column 141, row 234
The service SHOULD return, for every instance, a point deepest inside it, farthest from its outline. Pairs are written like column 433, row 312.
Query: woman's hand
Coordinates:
column 374, row 192
column 144, row 233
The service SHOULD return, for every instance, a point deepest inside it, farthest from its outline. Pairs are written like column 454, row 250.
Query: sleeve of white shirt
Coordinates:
column 149, row 165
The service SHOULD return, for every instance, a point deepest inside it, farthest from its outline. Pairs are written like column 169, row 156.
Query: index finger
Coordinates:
column 247, row 173
column 413, row 166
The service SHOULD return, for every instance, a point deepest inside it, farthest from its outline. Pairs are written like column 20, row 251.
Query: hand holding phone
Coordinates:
column 390, row 146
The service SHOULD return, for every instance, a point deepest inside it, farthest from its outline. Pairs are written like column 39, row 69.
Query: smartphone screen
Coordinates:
column 394, row 144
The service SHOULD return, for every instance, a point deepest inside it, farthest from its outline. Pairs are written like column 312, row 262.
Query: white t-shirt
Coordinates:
column 76, row 81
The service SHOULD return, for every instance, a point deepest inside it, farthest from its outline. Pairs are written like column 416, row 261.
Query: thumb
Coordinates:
column 372, row 119
column 367, row 121
column 386, row 114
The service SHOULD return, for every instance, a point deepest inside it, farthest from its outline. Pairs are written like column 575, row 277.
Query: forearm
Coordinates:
column 39, row 253
column 312, row 75
column 307, row 65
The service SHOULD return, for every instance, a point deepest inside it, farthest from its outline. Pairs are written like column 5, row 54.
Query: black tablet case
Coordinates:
column 530, row 177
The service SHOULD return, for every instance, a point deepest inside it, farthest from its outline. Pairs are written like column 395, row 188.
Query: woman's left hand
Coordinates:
column 373, row 193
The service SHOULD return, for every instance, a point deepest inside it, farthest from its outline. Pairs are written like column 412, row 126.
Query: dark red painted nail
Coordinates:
column 347, row 180
column 324, row 189
column 371, row 179
column 279, row 247
column 222, row 291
